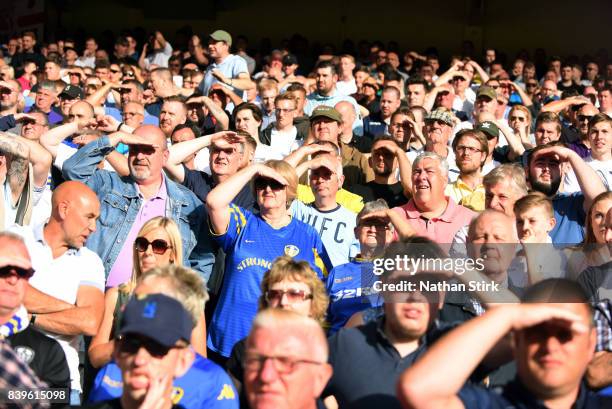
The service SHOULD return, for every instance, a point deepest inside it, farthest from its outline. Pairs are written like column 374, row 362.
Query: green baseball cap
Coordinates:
column 489, row 129
column 323, row 111
column 486, row 91
column 221, row 35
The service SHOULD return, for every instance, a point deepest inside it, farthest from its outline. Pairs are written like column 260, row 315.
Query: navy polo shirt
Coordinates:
column 367, row 366
column 570, row 217
column 202, row 183
column 515, row 396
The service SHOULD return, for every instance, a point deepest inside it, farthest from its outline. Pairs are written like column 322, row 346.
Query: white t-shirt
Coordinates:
column 602, row 168
column 61, row 278
column 346, row 87
column 159, row 58
column 282, row 143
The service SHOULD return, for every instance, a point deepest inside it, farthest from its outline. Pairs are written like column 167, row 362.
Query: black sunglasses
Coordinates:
column 262, row 183
column 159, row 246
column 131, row 344
column 584, row 118
column 7, row 271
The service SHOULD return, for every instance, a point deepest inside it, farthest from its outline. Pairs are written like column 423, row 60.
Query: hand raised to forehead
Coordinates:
column 225, row 139
column 268, row 172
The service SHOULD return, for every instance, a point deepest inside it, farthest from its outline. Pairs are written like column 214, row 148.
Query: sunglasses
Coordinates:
column 115, row 71
column 263, row 183
column 8, row 271
column 293, row 295
column 518, row 118
column 159, row 246
column 584, row 118
column 132, row 344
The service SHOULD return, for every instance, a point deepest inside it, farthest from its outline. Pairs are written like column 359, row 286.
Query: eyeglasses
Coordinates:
column 158, row 246
column 584, row 118
column 131, row 344
column 8, row 271
column 282, row 364
column 293, row 295
column 467, row 149
column 263, row 183
column 518, row 118
column 283, row 111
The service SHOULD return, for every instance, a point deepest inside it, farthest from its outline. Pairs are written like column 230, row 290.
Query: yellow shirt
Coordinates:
column 465, row 196
column 345, row 198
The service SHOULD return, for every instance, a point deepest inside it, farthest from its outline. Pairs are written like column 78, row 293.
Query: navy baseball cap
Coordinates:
column 158, row 317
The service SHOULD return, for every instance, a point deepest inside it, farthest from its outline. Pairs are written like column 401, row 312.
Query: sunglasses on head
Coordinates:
column 131, row 344
column 262, row 183
column 158, row 246
column 8, row 271
column 293, row 295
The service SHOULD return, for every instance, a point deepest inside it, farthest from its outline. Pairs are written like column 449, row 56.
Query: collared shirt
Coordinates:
column 603, row 325
column 61, row 278
column 367, row 366
column 464, row 195
column 123, row 266
column 516, row 396
column 441, row 229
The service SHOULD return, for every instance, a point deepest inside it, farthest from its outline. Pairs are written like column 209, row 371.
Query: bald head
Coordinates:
column 348, row 115
column 488, row 221
column 74, row 211
column 154, row 134
column 292, row 333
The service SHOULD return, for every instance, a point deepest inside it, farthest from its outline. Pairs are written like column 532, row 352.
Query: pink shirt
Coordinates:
column 123, row 266
column 440, row 229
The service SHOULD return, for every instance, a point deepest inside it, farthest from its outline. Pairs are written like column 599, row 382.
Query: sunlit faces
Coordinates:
column 501, row 197
column 246, row 122
column 9, row 95
column 546, row 132
column 373, row 233
column 225, row 160
column 45, row 98
column 389, row 103
column 13, row 287
column 33, row 129
column 172, row 114
column 325, row 129
column 551, row 358
column 146, row 162
column 600, row 139
column 534, row 224
column 428, row 181
column 325, row 182
column 325, row 80
column 399, row 128
column 469, row 155
column 485, row 104
column 382, row 161
column 290, row 295
column 598, row 219
column 270, row 194
column 438, row 131
column 415, row 94
column 492, row 238
column 133, row 114
column 152, row 256
column 79, row 218
column 267, row 99
column 545, row 174
column 285, row 112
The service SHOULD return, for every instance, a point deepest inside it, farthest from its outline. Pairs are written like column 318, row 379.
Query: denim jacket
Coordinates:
column 120, row 203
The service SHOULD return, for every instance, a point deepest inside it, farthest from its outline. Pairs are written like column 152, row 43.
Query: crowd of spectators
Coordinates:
column 210, row 226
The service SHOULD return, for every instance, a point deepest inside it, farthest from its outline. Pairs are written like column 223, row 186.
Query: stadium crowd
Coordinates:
column 198, row 227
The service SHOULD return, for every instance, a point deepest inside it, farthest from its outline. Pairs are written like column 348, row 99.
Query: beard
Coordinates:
column 549, row 189
column 139, row 175
column 6, row 105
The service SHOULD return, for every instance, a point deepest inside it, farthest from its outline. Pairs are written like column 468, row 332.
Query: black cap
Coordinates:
column 290, row 59
column 158, row 317
column 72, row 92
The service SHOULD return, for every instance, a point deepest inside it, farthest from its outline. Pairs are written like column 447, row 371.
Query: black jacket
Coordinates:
column 44, row 355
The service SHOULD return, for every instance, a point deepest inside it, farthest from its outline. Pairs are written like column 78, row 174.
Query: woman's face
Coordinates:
column 148, row 258
column 270, row 194
column 598, row 218
column 290, row 295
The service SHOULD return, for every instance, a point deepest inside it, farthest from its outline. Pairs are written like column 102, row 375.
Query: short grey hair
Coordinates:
column 432, row 155
column 510, row 171
column 371, row 207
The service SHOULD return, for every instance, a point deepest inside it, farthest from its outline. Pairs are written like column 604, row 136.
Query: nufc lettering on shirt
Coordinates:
column 311, row 219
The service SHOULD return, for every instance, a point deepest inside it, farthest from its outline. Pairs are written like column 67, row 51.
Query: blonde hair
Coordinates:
column 175, row 241
column 286, row 268
column 183, row 284
column 286, row 171
column 535, row 199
